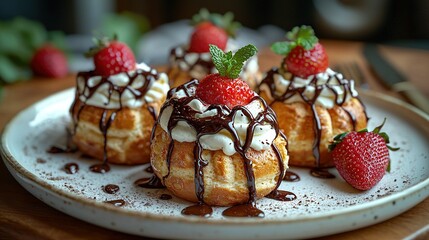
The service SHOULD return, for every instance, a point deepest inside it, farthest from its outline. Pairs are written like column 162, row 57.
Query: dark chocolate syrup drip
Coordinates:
column 200, row 209
column 111, row 188
column 281, row 195
column 100, row 168
column 71, row 168
column 291, row 177
column 108, row 116
column 152, row 182
column 207, row 64
column 222, row 120
column 243, row 210
column 116, row 203
column 292, row 91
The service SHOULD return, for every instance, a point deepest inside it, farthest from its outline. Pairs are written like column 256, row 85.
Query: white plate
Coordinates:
column 323, row 207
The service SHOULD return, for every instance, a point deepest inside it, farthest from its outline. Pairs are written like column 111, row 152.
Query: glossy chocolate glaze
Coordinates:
column 317, row 128
column 111, row 188
column 222, row 120
column 207, row 65
column 108, row 116
column 71, row 168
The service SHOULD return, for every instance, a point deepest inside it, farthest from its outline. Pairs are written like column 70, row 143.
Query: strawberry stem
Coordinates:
column 226, row 21
column 100, row 43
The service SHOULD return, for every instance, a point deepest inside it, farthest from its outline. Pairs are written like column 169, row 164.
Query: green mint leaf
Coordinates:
column 218, row 58
column 229, row 64
column 283, row 48
column 239, row 58
column 303, row 36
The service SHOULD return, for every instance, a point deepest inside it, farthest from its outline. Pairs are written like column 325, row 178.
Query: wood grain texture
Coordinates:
column 22, row 216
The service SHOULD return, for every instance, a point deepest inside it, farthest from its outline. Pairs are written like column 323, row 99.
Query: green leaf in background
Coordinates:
column 129, row 27
column 19, row 40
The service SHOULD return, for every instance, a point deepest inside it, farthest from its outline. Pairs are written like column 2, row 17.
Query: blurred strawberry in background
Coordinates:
column 49, row 61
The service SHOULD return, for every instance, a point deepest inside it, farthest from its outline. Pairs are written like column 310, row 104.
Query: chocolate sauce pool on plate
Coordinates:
column 200, row 209
column 111, row 188
column 71, row 168
column 243, row 210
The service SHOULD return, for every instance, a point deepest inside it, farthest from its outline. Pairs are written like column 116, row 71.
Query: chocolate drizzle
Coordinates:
column 153, row 182
column 292, row 91
column 223, row 119
column 108, row 116
column 178, row 57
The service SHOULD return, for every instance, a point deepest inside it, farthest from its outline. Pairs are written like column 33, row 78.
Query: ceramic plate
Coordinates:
column 322, row 207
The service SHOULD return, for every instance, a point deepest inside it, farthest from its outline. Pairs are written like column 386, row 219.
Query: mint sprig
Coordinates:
column 299, row 36
column 229, row 64
column 225, row 21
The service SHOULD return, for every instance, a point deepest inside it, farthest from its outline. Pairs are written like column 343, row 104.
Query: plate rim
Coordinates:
column 27, row 175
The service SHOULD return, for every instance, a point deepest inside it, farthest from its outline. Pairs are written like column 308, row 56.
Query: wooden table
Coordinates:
column 22, row 216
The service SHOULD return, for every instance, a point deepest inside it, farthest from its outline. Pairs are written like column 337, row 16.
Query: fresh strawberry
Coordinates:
column 304, row 55
column 225, row 87
column 206, row 33
column 362, row 158
column 49, row 61
column 211, row 28
column 112, row 57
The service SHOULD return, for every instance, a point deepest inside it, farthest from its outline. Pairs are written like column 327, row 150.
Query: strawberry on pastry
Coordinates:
column 362, row 158
column 226, row 87
column 193, row 60
column 305, row 56
column 207, row 33
column 111, row 57
column 216, row 142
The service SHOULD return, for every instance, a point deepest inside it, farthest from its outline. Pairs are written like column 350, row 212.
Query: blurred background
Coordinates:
column 152, row 27
column 346, row 19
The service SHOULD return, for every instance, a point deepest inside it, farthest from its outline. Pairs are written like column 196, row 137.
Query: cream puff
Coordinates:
column 113, row 115
column 313, row 103
column 210, row 152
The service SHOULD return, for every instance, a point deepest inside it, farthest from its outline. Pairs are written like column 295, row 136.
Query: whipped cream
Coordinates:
column 263, row 135
column 123, row 89
column 335, row 89
column 200, row 64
